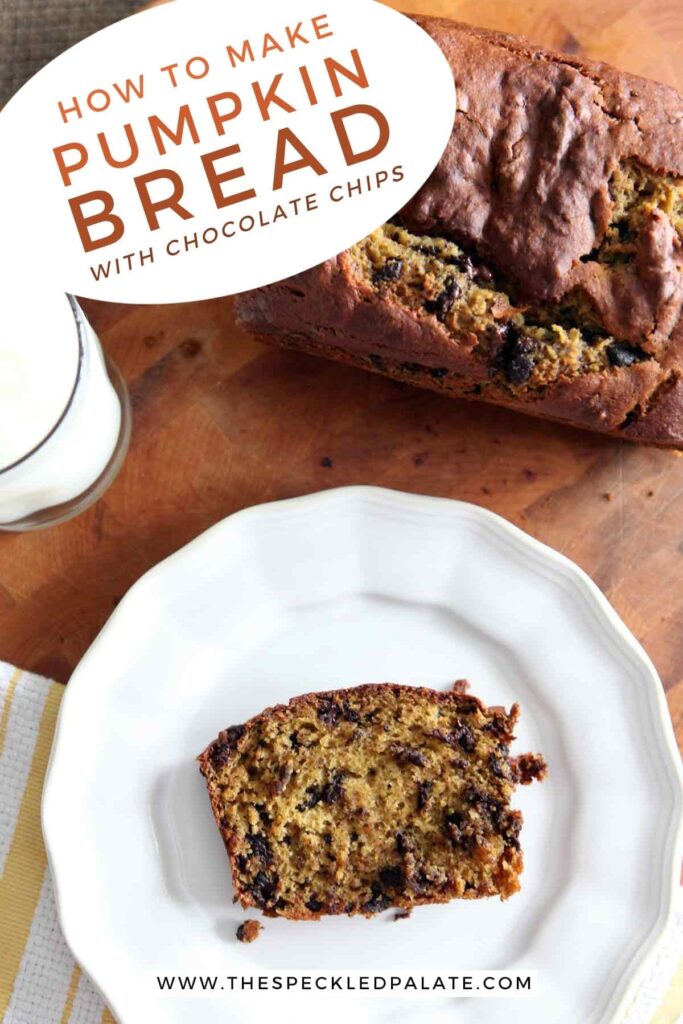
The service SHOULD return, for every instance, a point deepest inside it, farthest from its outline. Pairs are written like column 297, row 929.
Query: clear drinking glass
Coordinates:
column 79, row 456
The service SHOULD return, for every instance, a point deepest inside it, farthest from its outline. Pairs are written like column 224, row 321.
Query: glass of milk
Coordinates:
column 64, row 414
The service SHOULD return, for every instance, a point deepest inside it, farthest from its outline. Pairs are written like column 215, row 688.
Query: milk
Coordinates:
column 60, row 417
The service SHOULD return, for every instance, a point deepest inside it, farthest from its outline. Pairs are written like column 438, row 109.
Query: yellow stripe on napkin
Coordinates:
column 22, row 878
column 7, row 704
column 71, row 995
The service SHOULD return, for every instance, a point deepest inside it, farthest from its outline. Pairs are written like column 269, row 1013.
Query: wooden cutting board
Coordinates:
column 220, row 423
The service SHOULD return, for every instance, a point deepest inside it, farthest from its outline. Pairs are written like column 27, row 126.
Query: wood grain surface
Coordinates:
column 220, row 423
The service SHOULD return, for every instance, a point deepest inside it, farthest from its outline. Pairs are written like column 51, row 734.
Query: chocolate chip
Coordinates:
column 423, row 791
column 234, row 733
column 312, row 799
column 462, row 262
column 377, row 361
column 454, row 828
column 465, row 738
column 510, row 825
column 485, row 804
column 224, row 746
column 476, row 796
column 263, row 814
column 421, row 883
column 402, row 844
column 442, row 304
column 349, row 714
column 426, row 250
column 333, row 791
column 314, row 904
column 328, row 712
column 412, row 367
column 329, row 793
column 624, row 355
column 520, row 364
column 514, row 357
column 467, row 266
column 327, row 838
column 263, row 888
column 461, row 736
column 408, row 755
column 259, row 846
column 377, row 902
column 392, row 877
column 498, row 766
column 483, row 275
column 390, row 271
column 438, row 372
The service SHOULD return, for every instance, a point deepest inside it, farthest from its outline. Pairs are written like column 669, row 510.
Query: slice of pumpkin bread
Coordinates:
column 352, row 801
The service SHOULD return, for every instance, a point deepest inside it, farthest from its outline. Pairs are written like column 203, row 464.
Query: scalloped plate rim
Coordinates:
column 565, row 573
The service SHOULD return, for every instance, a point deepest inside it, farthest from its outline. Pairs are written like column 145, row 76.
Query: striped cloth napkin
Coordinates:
column 39, row 981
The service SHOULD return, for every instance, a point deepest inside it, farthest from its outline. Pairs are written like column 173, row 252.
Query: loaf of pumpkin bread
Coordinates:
column 540, row 267
column 356, row 800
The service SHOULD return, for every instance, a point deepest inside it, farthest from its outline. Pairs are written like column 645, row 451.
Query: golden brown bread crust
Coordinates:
column 351, row 801
column 524, row 186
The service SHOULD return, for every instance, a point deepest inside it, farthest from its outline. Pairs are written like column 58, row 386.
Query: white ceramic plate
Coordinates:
column 350, row 586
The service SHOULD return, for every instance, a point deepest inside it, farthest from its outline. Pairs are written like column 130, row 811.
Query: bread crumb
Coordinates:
column 608, row 496
column 529, row 768
column 249, row 931
column 402, row 915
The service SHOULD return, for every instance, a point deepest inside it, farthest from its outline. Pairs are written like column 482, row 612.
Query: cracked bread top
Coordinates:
column 539, row 267
column 538, row 137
